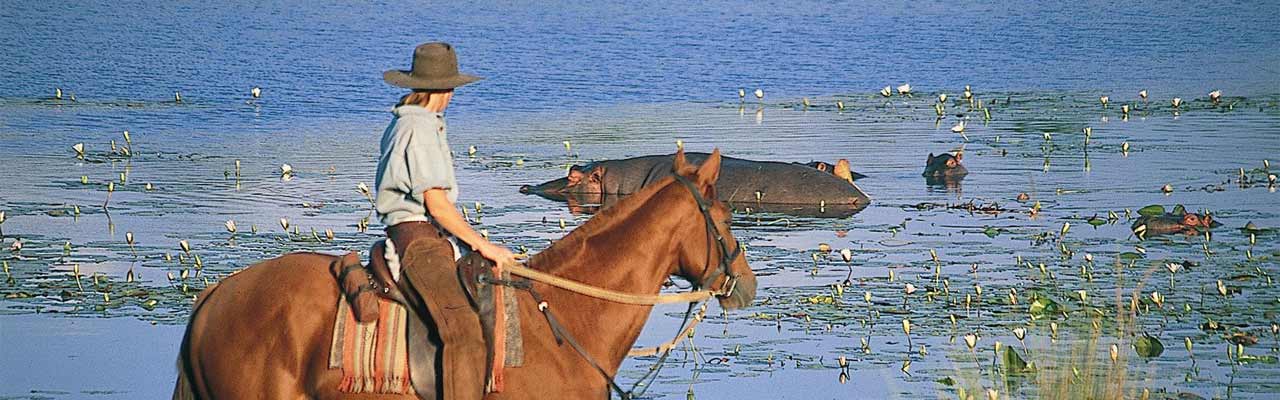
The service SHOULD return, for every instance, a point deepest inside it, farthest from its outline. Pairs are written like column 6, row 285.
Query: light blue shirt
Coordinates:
column 415, row 158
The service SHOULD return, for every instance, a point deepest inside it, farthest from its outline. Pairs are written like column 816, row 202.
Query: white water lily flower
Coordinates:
column 1215, row 95
column 286, row 169
column 284, row 224
column 840, row 105
column 231, row 226
column 1142, row 94
column 1020, row 333
column 906, row 326
column 958, row 127
column 16, row 246
column 362, row 188
column 905, row 89
column 1115, row 352
column 1104, row 100
column 79, row 149
column 759, row 93
column 968, row 94
column 886, row 92
column 910, row 289
column 1222, row 288
column 1177, row 102
column 845, row 254
column 942, row 97
column 186, row 247
column 128, row 238
column 1, row 217
column 971, row 340
column 1124, row 108
column 256, row 92
column 742, row 93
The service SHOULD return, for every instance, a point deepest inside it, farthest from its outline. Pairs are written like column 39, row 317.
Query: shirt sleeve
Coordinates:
column 428, row 163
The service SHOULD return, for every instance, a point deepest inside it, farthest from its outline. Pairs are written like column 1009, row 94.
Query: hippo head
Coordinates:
column 1201, row 222
column 840, row 169
column 580, row 179
column 584, row 180
column 944, row 166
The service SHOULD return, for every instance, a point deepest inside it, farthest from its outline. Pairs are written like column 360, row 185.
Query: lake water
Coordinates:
column 620, row 80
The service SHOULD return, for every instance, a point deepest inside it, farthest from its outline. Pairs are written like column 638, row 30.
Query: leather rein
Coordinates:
column 695, row 297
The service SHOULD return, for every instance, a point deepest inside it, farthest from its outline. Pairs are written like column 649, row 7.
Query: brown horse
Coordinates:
column 265, row 331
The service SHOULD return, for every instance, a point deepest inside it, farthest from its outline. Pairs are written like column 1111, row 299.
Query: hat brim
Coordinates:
column 402, row 79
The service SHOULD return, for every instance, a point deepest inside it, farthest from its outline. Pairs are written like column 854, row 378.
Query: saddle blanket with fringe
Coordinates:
column 373, row 356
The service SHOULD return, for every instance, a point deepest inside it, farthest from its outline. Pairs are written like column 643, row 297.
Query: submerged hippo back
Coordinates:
column 740, row 180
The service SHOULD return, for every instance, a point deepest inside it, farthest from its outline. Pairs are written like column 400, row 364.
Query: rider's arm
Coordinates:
column 446, row 214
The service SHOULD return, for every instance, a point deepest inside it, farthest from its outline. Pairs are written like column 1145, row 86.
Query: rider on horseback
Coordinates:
column 416, row 191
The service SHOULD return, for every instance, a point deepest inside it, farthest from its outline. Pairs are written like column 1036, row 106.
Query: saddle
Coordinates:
column 363, row 284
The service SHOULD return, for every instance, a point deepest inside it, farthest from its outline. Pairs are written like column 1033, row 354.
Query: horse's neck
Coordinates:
column 633, row 254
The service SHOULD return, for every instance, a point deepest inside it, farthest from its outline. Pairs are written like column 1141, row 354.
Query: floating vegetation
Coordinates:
column 1055, row 290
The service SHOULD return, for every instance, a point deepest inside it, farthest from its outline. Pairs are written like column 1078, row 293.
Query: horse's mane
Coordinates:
column 573, row 245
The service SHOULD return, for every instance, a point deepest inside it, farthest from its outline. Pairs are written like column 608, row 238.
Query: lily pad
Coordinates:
column 1129, row 256
column 991, row 232
column 1148, row 346
column 1013, row 363
column 947, row 381
column 1043, row 306
column 1261, row 359
column 1178, row 211
column 1151, row 210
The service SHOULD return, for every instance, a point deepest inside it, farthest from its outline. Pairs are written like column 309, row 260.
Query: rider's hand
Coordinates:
column 498, row 254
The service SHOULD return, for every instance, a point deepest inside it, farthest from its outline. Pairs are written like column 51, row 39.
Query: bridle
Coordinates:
column 726, row 258
column 696, row 297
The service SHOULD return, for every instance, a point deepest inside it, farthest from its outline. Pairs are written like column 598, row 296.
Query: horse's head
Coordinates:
column 708, row 253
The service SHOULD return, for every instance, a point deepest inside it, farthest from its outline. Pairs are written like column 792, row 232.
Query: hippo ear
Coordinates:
column 709, row 172
column 842, row 170
column 959, row 155
column 597, row 175
column 929, row 160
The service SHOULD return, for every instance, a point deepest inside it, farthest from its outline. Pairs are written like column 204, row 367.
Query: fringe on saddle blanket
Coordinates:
column 373, row 356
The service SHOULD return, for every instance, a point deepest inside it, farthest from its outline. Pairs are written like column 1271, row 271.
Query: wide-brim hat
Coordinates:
column 435, row 67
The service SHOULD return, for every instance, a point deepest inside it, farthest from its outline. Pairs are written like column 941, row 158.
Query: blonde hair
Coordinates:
column 420, row 97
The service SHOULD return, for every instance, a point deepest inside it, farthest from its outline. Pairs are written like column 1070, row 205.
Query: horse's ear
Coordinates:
column 710, row 170
column 680, row 164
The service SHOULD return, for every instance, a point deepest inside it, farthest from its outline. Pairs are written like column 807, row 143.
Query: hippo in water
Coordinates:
column 1178, row 221
column 760, row 185
column 945, row 166
column 944, row 170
